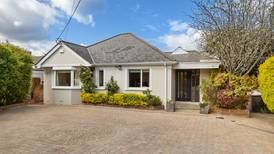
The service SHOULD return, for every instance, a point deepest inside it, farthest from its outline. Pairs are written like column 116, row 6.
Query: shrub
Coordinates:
column 227, row 90
column 266, row 82
column 94, row 98
column 151, row 99
column 112, row 86
column 87, row 79
column 225, row 98
column 209, row 92
column 116, row 99
column 134, row 100
column 128, row 99
column 85, row 97
column 154, row 101
column 15, row 76
column 221, row 80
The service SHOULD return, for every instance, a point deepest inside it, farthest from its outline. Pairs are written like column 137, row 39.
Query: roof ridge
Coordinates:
column 91, row 56
column 73, row 43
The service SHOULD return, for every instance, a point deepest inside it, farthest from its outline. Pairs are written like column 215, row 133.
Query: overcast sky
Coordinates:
column 35, row 24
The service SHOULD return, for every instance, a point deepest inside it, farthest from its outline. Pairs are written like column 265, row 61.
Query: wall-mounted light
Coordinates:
column 119, row 67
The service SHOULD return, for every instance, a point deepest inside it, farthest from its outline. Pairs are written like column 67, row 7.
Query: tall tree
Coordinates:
column 238, row 32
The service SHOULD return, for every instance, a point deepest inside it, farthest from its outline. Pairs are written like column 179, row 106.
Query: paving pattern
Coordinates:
column 94, row 129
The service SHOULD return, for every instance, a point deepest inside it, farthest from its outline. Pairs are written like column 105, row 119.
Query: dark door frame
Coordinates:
column 185, row 88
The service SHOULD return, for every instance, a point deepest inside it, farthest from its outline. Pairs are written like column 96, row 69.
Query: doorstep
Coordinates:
column 187, row 105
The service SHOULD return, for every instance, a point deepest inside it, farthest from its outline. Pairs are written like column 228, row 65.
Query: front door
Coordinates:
column 187, row 85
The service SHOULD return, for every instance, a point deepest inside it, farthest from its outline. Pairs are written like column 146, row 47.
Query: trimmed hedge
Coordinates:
column 266, row 82
column 94, row 98
column 121, row 99
column 15, row 76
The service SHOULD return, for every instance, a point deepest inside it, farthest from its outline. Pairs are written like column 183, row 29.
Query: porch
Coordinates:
column 187, row 88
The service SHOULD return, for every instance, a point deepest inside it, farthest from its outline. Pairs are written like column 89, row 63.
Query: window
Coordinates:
column 101, row 78
column 76, row 78
column 138, row 78
column 67, row 78
column 134, row 78
column 145, row 78
column 63, row 78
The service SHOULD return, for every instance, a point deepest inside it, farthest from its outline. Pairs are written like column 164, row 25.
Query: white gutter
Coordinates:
column 140, row 63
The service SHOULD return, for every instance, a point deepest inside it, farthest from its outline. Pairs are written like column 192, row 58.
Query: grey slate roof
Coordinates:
column 189, row 56
column 125, row 48
column 80, row 50
column 122, row 48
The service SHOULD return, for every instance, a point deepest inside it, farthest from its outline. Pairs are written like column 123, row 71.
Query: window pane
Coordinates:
column 63, row 78
column 76, row 78
column 145, row 82
column 101, row 78
column 134, row 78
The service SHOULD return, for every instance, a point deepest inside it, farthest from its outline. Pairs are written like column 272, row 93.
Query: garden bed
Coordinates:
column 127, row 100
column 159, row 107
column 237, row 112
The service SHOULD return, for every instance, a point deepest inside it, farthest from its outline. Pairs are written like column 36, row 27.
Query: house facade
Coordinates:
column 133, row 63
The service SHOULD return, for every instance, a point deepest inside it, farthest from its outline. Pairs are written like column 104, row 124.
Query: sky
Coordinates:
column 35, row 24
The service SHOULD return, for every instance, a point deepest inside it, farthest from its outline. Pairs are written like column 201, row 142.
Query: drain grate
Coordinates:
column 219, row 117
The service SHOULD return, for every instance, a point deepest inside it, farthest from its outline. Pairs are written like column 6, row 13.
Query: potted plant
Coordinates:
column 170, row 106
column 204, row 108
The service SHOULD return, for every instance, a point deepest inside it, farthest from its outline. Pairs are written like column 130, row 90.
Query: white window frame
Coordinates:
column 98, row 81
column 71, row 79
column 138, row 88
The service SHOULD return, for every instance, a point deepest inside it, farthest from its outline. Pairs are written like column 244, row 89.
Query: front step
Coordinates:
column 187, row 105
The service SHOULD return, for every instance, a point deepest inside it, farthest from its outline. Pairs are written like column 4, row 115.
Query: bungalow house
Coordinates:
column 134, row 64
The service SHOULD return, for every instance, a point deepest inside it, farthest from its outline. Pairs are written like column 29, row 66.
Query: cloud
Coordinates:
column 151, row 27
column 181, row 34
column 81, row 14
column 25, row 20
column 27, row 23
column 177, row 26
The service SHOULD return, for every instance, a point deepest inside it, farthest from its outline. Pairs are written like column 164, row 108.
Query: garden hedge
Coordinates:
column 15, row 76
column 120, row 99
column 266, row 82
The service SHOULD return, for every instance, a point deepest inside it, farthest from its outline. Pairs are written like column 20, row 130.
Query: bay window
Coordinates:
column 63, row 78
column 66, row 79
column 138, row 78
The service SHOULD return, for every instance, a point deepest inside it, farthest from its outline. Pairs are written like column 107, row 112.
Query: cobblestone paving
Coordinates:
column 92, row 129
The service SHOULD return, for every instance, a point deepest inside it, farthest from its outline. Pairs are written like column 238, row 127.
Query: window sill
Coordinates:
column 137, row 89
column 72, row 88
column 100, row 88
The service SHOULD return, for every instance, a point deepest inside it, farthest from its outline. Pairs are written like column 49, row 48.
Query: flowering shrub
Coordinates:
column 227, row 90
column 225, row 98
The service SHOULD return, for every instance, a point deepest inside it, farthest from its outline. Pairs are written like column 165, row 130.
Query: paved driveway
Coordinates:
column 90, row 129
